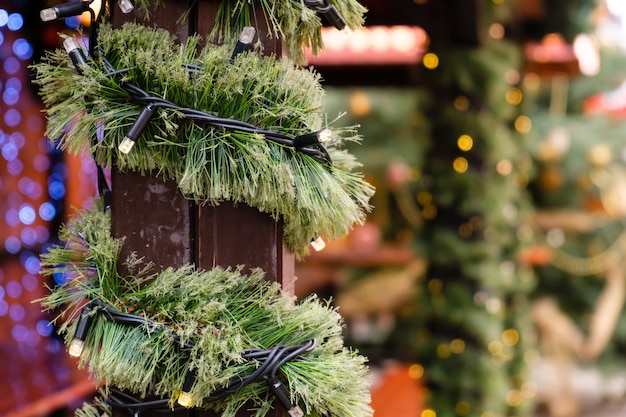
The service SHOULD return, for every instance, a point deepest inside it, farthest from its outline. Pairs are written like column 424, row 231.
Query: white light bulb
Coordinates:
column 76, row 348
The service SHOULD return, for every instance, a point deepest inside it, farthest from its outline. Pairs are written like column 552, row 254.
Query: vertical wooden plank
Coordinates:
column 154, row 218
column 231, row 235
column 170, row 15
column 160, row 225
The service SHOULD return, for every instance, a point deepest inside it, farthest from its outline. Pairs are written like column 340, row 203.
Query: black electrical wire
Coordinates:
column 318, row 152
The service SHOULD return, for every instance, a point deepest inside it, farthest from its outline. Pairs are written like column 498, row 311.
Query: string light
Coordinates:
column 317, row 152
column 244, row 41
column 269, row 363
column 126, row 6
column 65, row 10
column 82, row 329
column 282, row 395
column 327, row 10
column 185, row 399
column 76, row 53
column 140, row 124
column 313, row 138
column 318, row 244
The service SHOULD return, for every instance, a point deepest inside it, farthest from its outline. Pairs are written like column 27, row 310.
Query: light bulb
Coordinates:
column 129, row 140
column 318, row 244
column 76, row 53
column 64, row 10
column 126, row 6
column 313, row 138
column 245, row 39
column 80, row 333
column 76, row 348
column 185, row 399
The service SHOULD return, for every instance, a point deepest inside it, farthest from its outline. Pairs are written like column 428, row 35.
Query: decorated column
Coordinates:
column 223, row 167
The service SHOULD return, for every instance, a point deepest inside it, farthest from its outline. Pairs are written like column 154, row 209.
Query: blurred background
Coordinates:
column 490, row 278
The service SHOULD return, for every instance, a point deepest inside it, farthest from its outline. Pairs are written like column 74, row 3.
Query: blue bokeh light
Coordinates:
column 12, row 117
column 17, row 312
column 4, row 17
column 12, row 65
column 11, row 96
column 19, row 332
column 15, row 21
column 22, row 49
column 56, row 189
column 11, row 217
column 27, row 214
column 30, row 282
column 47, row 211
column 44, row 328
column 60, row 278
column 29, row 188
column 15, row 167
column 15, row 83
column 12, row 244
column 9, row 151
column 14, row 289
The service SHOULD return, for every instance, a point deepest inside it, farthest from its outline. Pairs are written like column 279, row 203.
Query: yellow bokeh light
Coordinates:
column 430, row 60
column 415, row 174
column 465, row 142
column 416, row 371
column 457, row 346
column 532, row 81
column 428, row 413
column 460, row 165
column 514, row 398
column 465, row 230
column 461, row 103
column 523, row 124
column 429, row 212
column 360, row 104
column 462, row 408
column 424, row 198
column 495, row 347
column 514, row 96
column 435, row 285
column 510, row 337
column 504, row 167
column 443, row 351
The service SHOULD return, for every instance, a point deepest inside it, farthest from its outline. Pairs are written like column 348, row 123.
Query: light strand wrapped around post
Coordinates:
column 223, row 150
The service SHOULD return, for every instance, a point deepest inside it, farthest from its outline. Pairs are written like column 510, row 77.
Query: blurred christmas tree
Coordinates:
column 500, row 155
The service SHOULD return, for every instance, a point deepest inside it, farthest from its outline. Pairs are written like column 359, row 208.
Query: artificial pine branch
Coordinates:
column 200, row 320
column 210, row 164
column 291, row 20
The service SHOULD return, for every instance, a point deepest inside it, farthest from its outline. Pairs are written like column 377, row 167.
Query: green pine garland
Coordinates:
column 201, row 321
column 210, row 165
column 290, row 20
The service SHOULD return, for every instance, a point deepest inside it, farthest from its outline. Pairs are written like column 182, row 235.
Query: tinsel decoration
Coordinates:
column 215, row 325
column 211, row 117
column 298, row 22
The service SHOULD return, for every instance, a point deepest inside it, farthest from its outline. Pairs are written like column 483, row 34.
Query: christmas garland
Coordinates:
column 217, row 339
column 224, row 124
column 298, row 22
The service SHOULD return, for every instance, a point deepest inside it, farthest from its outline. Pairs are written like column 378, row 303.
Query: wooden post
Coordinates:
column 159, row 224
column 163, row 227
